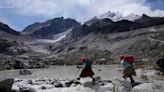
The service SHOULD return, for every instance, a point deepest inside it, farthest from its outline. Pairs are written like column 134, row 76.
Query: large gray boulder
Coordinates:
column 121, row 85
column 6, row 84
column 24, row 72
column 58, row 85
column 27, row 89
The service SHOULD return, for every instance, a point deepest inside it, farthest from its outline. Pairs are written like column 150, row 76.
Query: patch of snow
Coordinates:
column 110, row 15
column 56, row 37
column 41, row 45
column 52, row 41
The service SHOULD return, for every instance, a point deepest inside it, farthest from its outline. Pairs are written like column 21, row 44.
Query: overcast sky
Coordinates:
column 20, row 13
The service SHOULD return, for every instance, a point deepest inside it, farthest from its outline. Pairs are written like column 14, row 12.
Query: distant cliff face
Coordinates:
column 49, row 28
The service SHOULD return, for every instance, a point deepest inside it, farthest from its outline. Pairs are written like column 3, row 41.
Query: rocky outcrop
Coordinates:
column 6, row 45
column 146, row 21
column 6, row 84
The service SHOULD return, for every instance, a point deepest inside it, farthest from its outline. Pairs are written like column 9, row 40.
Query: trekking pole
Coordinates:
column 77, row 71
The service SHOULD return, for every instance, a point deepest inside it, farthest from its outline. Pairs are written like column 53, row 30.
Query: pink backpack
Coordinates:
column 129, row 59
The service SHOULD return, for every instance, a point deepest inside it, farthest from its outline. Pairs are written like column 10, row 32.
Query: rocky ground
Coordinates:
column 62, row 79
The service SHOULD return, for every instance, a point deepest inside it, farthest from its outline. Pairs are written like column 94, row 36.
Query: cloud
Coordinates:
column 81, row 10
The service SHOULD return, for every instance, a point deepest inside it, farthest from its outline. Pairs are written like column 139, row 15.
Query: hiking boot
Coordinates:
column 133, row 84
column 93, row 79
column 78, row 78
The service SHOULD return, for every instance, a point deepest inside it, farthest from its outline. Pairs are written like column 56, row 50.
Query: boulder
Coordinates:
column 71, row 48
column 24, row 72
column 72, row 82
column 6, row 84
column 43, row 87
column 69, row 83
column 160, row 64
column 59, row 85
column 121, row 85
column 27, row 89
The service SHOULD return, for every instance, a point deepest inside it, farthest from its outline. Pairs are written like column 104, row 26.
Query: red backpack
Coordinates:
column 129, row 59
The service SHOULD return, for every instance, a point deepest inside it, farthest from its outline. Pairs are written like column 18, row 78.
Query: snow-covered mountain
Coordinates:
column 116, row 16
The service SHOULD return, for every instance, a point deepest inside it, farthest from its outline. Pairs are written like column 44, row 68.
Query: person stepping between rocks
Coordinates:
column 86, row 69
column 127, row 65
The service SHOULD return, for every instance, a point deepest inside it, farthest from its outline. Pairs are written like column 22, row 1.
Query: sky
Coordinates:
column 18, row 14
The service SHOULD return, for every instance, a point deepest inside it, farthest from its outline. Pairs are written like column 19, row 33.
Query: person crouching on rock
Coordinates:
column 127, row 65
column 87, row 68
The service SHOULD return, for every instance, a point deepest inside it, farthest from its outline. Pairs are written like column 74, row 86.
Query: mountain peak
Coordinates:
column 111, row 15
column 144, row 15
column 116, row 16
column 50, row 27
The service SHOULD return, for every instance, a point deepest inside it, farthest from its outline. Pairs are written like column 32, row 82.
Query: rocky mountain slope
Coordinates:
column 7, row 37
column 62, row 41
column 103, row 40
column 7, row 29
column 27, row 48
column 107, row 26
column 14, row 49
column 21, row 50
column 49, row 28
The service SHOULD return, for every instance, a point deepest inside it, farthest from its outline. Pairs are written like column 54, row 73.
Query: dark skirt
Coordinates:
column 129, row 71
column 87, row 72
